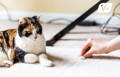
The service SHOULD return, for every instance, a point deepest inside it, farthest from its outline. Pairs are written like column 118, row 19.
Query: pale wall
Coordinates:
column 54, row 6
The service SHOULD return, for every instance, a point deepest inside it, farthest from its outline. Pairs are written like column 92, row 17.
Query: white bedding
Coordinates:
column 66, row 58
column 68, row 64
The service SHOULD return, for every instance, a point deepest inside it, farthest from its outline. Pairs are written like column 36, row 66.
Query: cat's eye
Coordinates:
column 27, row 34
column 39, row 31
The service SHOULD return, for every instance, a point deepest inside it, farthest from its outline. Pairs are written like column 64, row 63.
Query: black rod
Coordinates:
column 59, row 35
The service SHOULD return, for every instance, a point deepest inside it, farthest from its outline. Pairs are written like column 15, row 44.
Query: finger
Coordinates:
column 89, row 53
column 86, row 47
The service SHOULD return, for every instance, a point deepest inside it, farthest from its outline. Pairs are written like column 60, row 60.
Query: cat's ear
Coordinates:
column 36, row 18
column 21, row 21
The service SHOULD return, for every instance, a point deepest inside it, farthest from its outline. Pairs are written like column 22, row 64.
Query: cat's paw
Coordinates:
column 30, row 58
column 7, row 63
column 44, row 61
column 47, row 63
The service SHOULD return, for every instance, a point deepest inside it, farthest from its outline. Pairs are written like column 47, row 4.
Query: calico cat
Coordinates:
column 30, row 40
column 26, row 43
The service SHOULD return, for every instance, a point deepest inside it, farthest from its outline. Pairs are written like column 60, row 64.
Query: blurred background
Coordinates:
column 57, row 14
column 50, row 9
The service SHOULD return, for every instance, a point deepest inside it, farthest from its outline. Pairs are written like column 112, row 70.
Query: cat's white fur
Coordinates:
column 4, row 60
column 34, row 46
column 30, row 44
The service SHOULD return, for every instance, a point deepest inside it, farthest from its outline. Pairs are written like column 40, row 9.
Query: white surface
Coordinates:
column 68, row 64
column 65, row 55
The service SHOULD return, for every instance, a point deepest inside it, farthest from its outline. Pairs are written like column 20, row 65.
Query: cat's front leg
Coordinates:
column 22, row 56
column 43, row 59
column 30, row 58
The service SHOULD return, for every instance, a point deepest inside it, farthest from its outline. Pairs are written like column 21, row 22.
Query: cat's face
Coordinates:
column 29, row 26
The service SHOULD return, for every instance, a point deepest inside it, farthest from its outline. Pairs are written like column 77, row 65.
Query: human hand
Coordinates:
column 94, row 47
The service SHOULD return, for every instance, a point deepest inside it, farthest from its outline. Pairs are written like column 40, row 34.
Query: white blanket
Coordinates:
column 68, row 64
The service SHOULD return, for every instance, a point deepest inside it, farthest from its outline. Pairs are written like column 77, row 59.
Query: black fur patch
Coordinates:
column 3, row 50
column 28, row 34
column 6, row 36
column 36, row 23
column 39, row 31
column 19, row 55
column 21, row 28
column 13, row 42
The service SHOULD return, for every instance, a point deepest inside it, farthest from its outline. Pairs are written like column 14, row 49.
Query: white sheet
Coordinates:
column 68, row 64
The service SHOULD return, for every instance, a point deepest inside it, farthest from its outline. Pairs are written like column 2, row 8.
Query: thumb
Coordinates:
column 86, row 47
